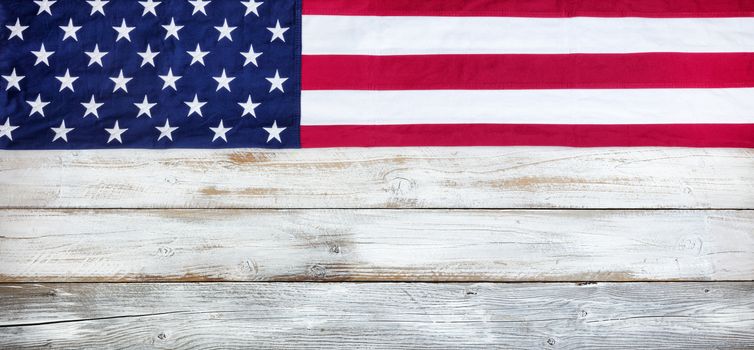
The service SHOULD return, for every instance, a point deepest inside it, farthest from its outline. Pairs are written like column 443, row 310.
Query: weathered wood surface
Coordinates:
column 319, row 243
column 513, row 177
column 378, row 315
column 375, row 245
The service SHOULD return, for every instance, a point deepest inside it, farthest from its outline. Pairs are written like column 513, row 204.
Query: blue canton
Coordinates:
column 82, row 74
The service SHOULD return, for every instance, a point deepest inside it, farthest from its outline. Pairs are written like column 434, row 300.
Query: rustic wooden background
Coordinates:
column 420, row 248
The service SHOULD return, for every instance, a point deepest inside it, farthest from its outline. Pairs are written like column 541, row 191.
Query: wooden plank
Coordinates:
column 375, row 245
column 512, row 177
column 378, row 315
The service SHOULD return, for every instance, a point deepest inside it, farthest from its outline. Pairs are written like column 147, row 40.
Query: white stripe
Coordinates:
column 497, row 35
column 577, row 106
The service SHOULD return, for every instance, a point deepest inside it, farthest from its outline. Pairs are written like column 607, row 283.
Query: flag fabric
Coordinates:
column 331, row 73
column 149, row 74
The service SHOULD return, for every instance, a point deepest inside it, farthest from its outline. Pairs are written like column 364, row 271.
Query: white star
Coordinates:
column 199, row 6
column 251, row 7
column 198, row 55
column 220, row 132
column 147, row 57
column 277, row 32
column 145, row 108
column 251, row 56
column 274, row 132
column 123, row 31
column 66, row 81
column 61, row 132
column 91, row 107
column 13, row 80
column 42, row 55
column 97, row 6
column 277, row 82
column 115, row 133
column 17, row 30
column 37, row 106
column 225, row 31
column 166, row 131
column 44, row 6
column 223, row 81
column 172, row 29
column 70, row 30
column 195, row 106
column 7, row 129
column 249, row 107
column 120, row 82
column 95, row 56
column 170, row 80
column 149, row 7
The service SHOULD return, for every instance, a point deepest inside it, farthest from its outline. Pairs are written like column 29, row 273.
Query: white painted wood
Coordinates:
column 375, row 245
column 507, row 177
column 378, row 316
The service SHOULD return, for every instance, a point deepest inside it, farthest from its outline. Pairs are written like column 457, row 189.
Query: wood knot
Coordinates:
column 162, row 336
column 334, row 248
column 402, row 186
column 550, row 341
column 691, row 244
column 250, row 265
column 317, row 271
column 165, row 252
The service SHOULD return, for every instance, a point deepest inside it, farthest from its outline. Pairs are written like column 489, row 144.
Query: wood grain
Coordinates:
column 378, row 315
column 508, row 177
column 375, row 245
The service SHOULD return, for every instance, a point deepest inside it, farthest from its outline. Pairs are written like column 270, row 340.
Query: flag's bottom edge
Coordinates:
column 661, row 135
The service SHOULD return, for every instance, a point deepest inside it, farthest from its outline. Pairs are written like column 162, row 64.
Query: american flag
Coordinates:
column 326, row 73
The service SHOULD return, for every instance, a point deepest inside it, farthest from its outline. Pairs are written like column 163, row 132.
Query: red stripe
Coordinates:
column 533, row 8
column 435, row 72
column 676, row 135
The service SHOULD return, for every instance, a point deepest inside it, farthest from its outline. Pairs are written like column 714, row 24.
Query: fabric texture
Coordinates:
column 82, row 74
